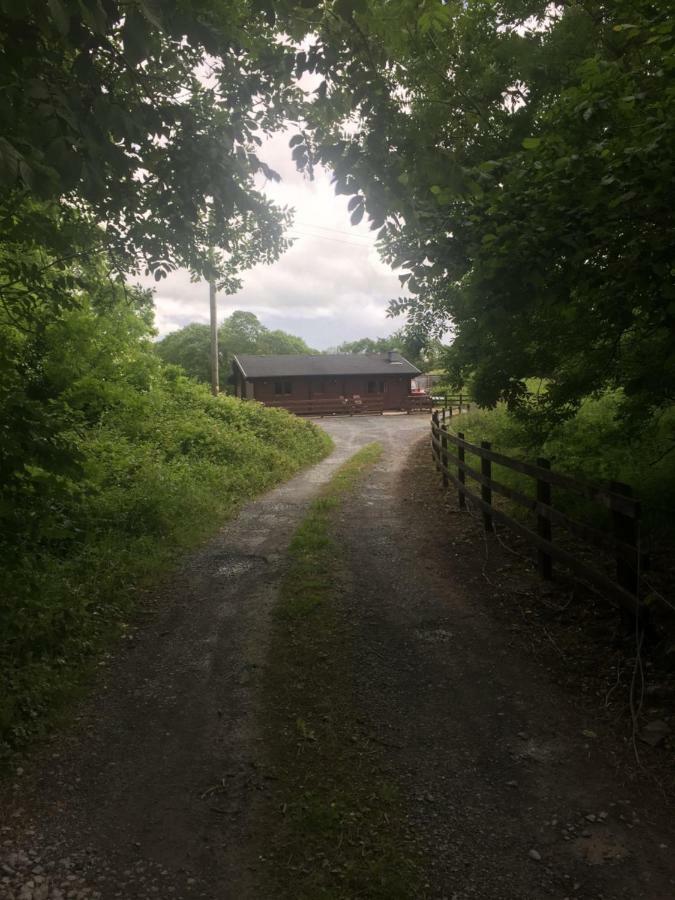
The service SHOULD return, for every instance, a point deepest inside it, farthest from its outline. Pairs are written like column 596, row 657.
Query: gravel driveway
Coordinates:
column 121, row 805
column 512, row 789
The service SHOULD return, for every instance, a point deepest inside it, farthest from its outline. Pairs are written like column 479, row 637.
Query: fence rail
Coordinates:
column 331, row 406
column 460, row 403
column 449, row 453
column 418, row 403
column 364, row 406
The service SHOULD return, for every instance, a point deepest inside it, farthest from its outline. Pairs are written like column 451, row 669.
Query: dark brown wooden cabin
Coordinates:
column 304, row 383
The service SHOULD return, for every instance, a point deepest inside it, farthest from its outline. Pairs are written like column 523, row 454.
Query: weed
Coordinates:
column 163, row 472
column 341, row 832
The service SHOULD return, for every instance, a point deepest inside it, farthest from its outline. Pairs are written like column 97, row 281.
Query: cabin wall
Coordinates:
column 393, row 388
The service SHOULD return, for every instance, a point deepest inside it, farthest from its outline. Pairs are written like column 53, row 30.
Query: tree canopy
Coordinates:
column 514, row 157
column 146, row 118
column 240, row 332
column 517, row 160
column 414, row 344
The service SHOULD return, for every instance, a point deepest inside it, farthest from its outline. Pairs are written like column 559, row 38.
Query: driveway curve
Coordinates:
column 514, row 788
column 122, row 805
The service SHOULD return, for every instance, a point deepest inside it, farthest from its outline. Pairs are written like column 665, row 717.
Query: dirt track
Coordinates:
column 510, row 797
column 120, row 804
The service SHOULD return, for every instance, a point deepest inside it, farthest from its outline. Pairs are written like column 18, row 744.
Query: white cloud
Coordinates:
column 331, row 286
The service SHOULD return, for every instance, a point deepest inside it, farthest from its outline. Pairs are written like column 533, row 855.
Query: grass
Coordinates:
column 308, row 582
column 153, row 486
column 340, row 832
column 593, row 445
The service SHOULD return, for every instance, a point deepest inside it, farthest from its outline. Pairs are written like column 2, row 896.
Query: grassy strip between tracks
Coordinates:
column 337, row 830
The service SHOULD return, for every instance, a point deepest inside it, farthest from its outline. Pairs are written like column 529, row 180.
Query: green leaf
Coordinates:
column 152, row 11
column 135, row 37
column 531, row 143
column 60, row 16
column 94, row 15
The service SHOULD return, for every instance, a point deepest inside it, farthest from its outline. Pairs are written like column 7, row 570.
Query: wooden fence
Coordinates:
column 459, row 404
column 622, row 542
column 331, row 406
column 418, row 403
column 334, row 406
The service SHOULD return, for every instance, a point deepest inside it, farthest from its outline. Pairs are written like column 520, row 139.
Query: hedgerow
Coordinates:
column 112, row 465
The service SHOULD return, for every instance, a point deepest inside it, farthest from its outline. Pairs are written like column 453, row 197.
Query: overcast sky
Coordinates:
column 328, row 288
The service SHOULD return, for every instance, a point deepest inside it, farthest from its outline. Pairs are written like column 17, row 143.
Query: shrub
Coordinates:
column 115, row 464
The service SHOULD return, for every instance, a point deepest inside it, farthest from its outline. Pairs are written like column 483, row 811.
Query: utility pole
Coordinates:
column 215, row 380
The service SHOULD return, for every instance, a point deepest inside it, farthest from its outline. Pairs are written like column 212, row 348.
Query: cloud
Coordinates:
column 331, row 286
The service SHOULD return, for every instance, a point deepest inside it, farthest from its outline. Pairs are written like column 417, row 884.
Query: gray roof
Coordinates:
column 281, row 366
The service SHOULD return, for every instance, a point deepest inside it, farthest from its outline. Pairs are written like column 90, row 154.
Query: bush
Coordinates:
column 114, row 464
column 594, row 444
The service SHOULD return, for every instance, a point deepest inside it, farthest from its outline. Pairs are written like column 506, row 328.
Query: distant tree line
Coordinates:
column 241, row 332
column 415, row 345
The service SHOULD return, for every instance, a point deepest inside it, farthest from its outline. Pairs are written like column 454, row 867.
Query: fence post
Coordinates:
column 486, row 490
column 625, row 529
column 434, row 426
column 461, row 475
column 544, row 524
column 444, row 454
column 460, row 403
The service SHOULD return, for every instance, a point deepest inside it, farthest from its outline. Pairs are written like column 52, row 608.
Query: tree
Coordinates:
column 240, row 332
column 147, row 117
column 516, row 159
column 189, row 348
column 417, row 347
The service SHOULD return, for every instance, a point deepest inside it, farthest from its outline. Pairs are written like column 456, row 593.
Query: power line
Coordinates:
column 336, row 230
column 325, row 237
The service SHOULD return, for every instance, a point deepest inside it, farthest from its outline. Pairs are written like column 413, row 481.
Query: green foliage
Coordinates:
column 190, row 347
column 517, row 161
column 106, row 107
column 308, row 582
column 592, row 444
column 417, row 347
column 111, row 463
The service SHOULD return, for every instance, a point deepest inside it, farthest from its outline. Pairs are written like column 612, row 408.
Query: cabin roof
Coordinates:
column 284, row 366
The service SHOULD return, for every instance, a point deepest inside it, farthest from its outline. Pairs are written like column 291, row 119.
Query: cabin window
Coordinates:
column 382, row 387
column 288, row 387
column 371, row 387
column 278, row 387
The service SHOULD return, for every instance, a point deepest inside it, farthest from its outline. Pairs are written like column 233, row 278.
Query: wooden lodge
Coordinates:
column 329, row 384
